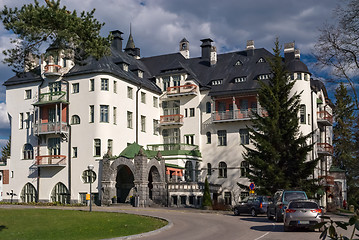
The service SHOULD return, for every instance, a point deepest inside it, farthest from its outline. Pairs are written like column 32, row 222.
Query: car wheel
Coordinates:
column 236, row 212
column 270, row 217
column 278, row 218
column 253, row 212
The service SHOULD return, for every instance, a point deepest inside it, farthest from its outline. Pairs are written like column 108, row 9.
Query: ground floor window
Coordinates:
column 227, row 198
column 28, row 193
column 60, row 194
column 191, row 200
column 183, row 200
column 83, row 198
column 174, row 200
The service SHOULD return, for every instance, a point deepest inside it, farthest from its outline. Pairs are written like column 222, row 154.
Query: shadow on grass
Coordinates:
column 2, row 227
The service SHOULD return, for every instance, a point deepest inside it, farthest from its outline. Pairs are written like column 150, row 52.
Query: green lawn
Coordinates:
column 69, row 224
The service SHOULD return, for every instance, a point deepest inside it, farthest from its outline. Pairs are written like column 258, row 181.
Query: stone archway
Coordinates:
column 153, row 178
column 124, row 184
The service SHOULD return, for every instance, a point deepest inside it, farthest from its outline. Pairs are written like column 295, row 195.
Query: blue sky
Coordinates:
column 159, row 25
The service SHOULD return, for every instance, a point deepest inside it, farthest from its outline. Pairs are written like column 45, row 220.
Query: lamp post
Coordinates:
column 90, row 176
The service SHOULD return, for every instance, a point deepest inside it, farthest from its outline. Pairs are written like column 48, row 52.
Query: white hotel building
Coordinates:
column 194, row 111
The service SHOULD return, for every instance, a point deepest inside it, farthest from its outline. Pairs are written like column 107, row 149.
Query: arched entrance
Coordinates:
column 154, row 185
column 124, row 184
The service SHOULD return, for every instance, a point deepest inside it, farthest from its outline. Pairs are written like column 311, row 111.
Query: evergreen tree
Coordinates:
column 5, row 151
column 207, row 201
column 36, row 25
column 280, row 157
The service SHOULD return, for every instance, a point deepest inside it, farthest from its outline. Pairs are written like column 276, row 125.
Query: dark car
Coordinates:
column 252, row 205
column 281, row 198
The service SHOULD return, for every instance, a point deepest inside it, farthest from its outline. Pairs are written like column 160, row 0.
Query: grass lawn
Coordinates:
column 71, row 224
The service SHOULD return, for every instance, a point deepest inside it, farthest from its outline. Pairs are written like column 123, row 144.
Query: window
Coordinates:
column 125, row 67
column 299, row 76
column 261, row 60
column 209, row 169
column 109, row 146
column 302, row 114
column 75, row 119
column 186, row 112
column 222, row 137
column 92, row 85
column 28, row 193
column 166, row 83
column 55, row 87
column 103, row 113
column 244, row 136
column 240, row 79
column 115, row 86
column 188, row 171
column 191, row 112
column 222, row 170
column 189, row 139
column 244, row 168
column 308, row 119
column 130, row 92
column 306, row 76
column 140, row 74
column 97, row 147
column 53, row 146
column 75, row 87
column 208, row 107
column 143, row 123
column 143, row 97
column 28, row 119
column 209, row 138
column 155, row 102
column 129, row 119
column 238, row 63
column 92, row 113
column 74, row 152
column 115, row 115
column 104, row 84
column 292, row 76
column 21, row 120
column 171, row 136
column 227, row 198
column 217, row 82
column 28, row 151
column 263, row 76
column 176, row 80
column 155, row 127
column 28, row 94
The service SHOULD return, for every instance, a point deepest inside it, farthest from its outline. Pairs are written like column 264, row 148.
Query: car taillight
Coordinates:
column 289, row 210
column 316, row 210
column 260, row 205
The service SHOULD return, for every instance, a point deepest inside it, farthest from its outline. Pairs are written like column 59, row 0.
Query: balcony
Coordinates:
column 52, row 97
column 172, row 149
column 236, row 115
column 324, row 149
column 327, row 181
column 324, row 118
column 175, row 119
column 51, row 161
column 50, row 128
column 52, row 70
column 183, row 90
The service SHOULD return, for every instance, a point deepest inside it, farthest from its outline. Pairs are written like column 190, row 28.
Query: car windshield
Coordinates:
column 289, row 196
column 307, row 205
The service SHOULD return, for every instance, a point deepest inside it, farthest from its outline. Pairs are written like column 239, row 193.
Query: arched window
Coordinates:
column 208, row 107
column 75, row 119
column 188, row 171
column 222, row 170
column 209, row 169
column 28, row 193
column 209, row 138
column 28, row 151
column 244, row 168
column 60, row 194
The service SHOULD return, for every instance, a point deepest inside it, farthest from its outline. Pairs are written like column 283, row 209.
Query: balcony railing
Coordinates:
column 174, row 119
column 325, row 118
column 325, row 148
column 236, row 115
column 51, row 160
column 189, row 89
column 53, row 69
column 51, row 97
column 171, row 149
column 47, row 128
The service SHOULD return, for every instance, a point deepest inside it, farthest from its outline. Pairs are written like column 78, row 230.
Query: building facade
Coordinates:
column 193, row 112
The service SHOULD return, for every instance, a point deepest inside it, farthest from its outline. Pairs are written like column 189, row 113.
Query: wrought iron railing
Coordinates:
column 218, row 116
column 52, row 127
column 171, row 119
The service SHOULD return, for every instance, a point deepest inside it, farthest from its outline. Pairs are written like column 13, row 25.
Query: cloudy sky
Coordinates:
column 159, row 25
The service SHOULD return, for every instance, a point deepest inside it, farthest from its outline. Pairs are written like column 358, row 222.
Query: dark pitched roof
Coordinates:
column 296, row 65
column 27, row 77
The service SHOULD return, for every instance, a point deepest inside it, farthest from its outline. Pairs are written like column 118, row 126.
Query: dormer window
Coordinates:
column 299, row 76
column 125, row 67
column 240, row 79
column 261, row 60
column 217, row 82
column 238, row 63
column 140, row 74
column 263, row 77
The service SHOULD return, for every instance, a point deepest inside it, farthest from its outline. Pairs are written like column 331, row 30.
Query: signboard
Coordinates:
column 251, row 186
column 87, row 196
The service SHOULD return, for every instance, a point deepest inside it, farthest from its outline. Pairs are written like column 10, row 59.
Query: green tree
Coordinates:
column 279, row 159
column 39, row 25
column 5, row 151
column 207, row 201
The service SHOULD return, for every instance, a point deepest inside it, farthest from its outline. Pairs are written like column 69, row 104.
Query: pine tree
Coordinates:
column 36, row 25
column 5, row 151
column 279, row 159
column 207, row 202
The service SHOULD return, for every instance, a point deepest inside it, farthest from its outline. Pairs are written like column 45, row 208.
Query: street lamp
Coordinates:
column 90, row 179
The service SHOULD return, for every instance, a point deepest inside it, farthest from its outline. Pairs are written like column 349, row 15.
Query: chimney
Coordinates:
column 209, row 52
column 297, row 54
column 250, row 47
column 117, row 40
column 213, row 57
column 289, row 54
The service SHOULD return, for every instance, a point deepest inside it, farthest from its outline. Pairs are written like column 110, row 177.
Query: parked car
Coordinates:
column 280, row 201
column 252, row 205
column 302, row 214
